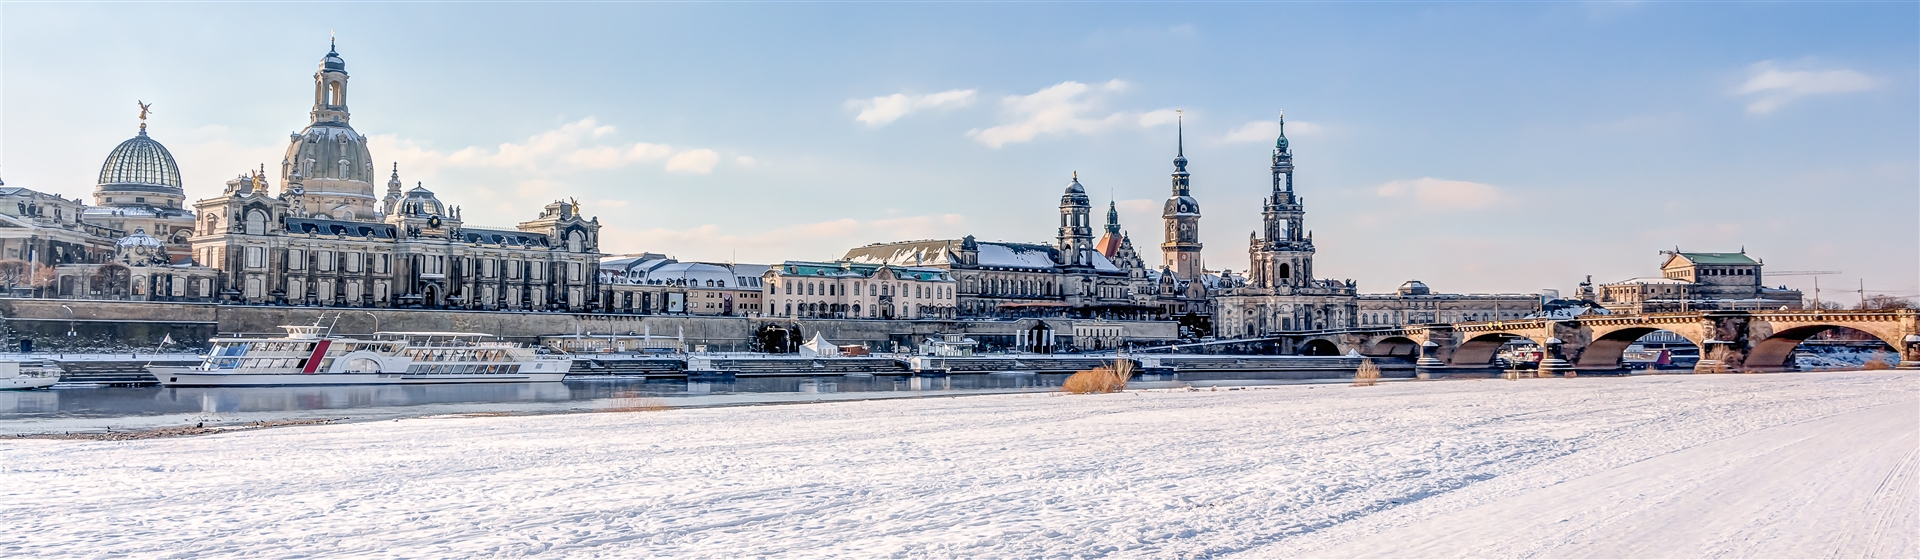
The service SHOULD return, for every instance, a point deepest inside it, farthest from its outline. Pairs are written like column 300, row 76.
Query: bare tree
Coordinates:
column 1881, row 302
column 15, row 273
column 112, row 280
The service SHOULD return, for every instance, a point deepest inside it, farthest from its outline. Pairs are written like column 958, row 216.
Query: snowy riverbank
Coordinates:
column 1782, row 465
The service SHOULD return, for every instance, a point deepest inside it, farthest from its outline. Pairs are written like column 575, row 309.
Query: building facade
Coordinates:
column 1069, row 277
column 1414, row 303
column 324, row 239
column 651, row 283
column 852, row 290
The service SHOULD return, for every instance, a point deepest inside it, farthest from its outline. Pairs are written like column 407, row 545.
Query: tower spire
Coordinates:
column 1180, row 150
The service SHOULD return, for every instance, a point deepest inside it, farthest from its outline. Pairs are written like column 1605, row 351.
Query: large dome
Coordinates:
column 142, row 165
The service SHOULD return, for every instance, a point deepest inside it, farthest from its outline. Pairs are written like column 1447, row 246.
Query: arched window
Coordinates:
column 1286, row 272
column 256, row 222
column 576, row 242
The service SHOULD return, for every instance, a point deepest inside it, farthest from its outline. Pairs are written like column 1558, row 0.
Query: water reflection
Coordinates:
column 104, row 402
column 114, row 402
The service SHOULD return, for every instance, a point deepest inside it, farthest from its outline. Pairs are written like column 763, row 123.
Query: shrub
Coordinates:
column 1367, row 375
column 1103, row 379
column 1878, row 362
column 631, row 401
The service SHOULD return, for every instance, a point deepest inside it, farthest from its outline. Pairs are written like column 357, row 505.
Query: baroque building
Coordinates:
column 140, row 189
column 1281, row 293
column 1691, row 281
column 324, row 239
column 1069, row 277
column 54, row 247
column 1183, row 289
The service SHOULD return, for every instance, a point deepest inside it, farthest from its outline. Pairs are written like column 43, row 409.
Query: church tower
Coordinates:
column 1076, row 226
column 1282, row 255
column 1182, row 216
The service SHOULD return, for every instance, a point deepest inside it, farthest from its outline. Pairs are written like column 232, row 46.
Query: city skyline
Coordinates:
column 1539, row 194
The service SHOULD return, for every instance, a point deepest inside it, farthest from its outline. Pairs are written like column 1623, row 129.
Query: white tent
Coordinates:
column 819, row 347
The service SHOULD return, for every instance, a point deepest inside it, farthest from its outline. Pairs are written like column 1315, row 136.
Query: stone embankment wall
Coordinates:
column 133, row 326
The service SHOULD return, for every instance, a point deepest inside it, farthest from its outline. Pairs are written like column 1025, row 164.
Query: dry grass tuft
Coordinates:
column 630, row 401
column 1103, row 379
column 1878, row 362
column 1368, row 375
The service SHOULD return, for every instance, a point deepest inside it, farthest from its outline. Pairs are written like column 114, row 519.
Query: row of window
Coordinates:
column 351, row 262
column 487, row 369
column 832, row 289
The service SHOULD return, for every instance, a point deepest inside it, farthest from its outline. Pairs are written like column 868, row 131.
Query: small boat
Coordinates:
column 28, row 374
column 310, row 355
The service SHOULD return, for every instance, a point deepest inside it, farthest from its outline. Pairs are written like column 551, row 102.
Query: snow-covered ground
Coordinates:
column 1780, row 465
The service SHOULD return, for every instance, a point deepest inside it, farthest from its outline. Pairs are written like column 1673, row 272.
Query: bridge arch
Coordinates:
column 1319, row 347
column 1394, row 347
column 1606, row 350
column 1481, row 349
column 1775, row 353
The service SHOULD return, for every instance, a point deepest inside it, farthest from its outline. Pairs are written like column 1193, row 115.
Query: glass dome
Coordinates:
column 140, row 164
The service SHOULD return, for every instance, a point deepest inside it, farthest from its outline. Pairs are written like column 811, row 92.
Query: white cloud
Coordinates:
column 694, row 161
column 1268, row 131
column 818, row 240
column 880, row 111
column 1442, row 193
column 1064, row 107
column 573, row 145
column 744, row 161
column 1772, row 88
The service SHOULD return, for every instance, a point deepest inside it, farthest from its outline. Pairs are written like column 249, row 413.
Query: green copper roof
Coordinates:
column 1718, row 258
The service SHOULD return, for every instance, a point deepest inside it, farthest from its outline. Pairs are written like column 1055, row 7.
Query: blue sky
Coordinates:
column 1477, row 147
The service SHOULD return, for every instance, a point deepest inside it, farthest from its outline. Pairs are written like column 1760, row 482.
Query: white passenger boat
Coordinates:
column 30, row 374
column 312, row 356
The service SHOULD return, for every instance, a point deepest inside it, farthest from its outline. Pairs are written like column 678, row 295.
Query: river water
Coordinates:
column 94, row 408
column 86, row 408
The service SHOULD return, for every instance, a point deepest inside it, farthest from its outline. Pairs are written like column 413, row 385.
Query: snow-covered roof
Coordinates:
column 651, row 268
column 1018, row 255
column 927, row 252
column 1103, row 264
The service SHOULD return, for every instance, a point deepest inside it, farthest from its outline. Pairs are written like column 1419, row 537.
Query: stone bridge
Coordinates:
column 1732, row 341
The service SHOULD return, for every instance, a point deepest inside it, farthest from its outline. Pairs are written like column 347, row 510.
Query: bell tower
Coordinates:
column 1282, row 254
column 1075, row 239
column 1182, row 216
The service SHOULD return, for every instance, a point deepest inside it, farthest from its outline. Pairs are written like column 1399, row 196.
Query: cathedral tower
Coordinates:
column 1076, row 226
column 1282, row 255
column 1182, row 216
